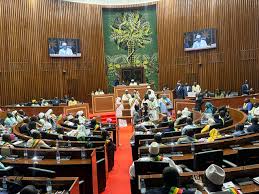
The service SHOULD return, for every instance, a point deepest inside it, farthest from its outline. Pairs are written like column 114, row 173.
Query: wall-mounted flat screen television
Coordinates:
column 64, row 47
column 200, row 39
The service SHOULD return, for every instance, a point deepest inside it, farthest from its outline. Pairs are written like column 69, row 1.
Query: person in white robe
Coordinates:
column 133, row 83
column 132, row 102
column 81, row 117
column 153, row 109
column 151, row 93
column 196, row 88
column 126, row 96
column 119, row 108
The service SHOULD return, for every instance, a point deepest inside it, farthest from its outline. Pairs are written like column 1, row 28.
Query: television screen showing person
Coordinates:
column 64, row 47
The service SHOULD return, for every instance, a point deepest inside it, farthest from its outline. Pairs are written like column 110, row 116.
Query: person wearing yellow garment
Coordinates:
column 247, row 106
column 214, row 134
column 72, row 102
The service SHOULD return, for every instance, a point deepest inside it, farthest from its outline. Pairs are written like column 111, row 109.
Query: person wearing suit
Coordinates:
column 179, row 90
column 245, row 88
column 187, row 88
column 254, row 128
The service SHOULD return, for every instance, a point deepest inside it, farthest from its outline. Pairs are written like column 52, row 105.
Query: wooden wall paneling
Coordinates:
column 26, row 70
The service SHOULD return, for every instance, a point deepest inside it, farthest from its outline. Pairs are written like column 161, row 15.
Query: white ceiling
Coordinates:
column 112, row 2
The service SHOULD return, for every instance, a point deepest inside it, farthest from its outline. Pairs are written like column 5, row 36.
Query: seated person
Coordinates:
column 154, row 156
column 214, row 134
column 179, row 116
column 170, row 127
column 17, row 116
column 164, row 122
column 1, row 164
column 81, row 117
column 254, row 128
column 24, row 128
column 186, row 112
column 94, row 124
column 171, row 180
column 146, row 124
column 188, row 137
column 222, row 116
column 158, row 138
column 247, row 106
column 10, row 120
column 190, row 125
column 72, row 102
column 82, row 133
column 209, row 108
column 207, row 94
column 133, row 83
column 69, row 121
column 36, row 141
column 217, row 119
column 55, row 101
column 29, row 189
column 239, row 130
column 214, row 179
column 99, row 92
column 7, row 141
column 254, row 110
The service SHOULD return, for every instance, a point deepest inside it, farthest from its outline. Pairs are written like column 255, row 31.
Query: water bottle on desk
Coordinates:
column 68, row 144
column 49, row 187
column 57, row 144
column 58, row 156
column 192, row 148
column 4, row 183
column 25, row 153
column 142, row 186
column 83, row 155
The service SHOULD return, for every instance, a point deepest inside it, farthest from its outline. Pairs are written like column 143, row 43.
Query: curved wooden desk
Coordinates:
column 61, row 109
column 69, row 184
column 156, row 180
column 85, row 169
column 233, row 102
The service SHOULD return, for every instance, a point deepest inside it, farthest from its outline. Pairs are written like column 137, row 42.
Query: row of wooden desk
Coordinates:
column 67, row 184
column 156, row 180
column 57, row 110
column 233, row 102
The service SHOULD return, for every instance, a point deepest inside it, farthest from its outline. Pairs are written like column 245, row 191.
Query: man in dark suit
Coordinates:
column 254, row 128
column 179, row 90
column 187, row 88
column 245, row 88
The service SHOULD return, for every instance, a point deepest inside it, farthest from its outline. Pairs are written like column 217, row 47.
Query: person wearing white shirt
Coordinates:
column 199, row 42
column 153, row 109
column 126, row 96
column 154, row 156
column 133, row 83
column 196, row 88
column 65, row 51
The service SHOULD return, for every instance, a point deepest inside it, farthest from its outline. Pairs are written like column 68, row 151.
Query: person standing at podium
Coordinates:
column 126, row 96
column 119, row 108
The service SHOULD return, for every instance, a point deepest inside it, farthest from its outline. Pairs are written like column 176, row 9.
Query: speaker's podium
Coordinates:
column 141, row 88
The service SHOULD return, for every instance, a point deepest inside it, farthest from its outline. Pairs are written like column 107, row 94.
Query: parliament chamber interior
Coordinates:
column 129, row 96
